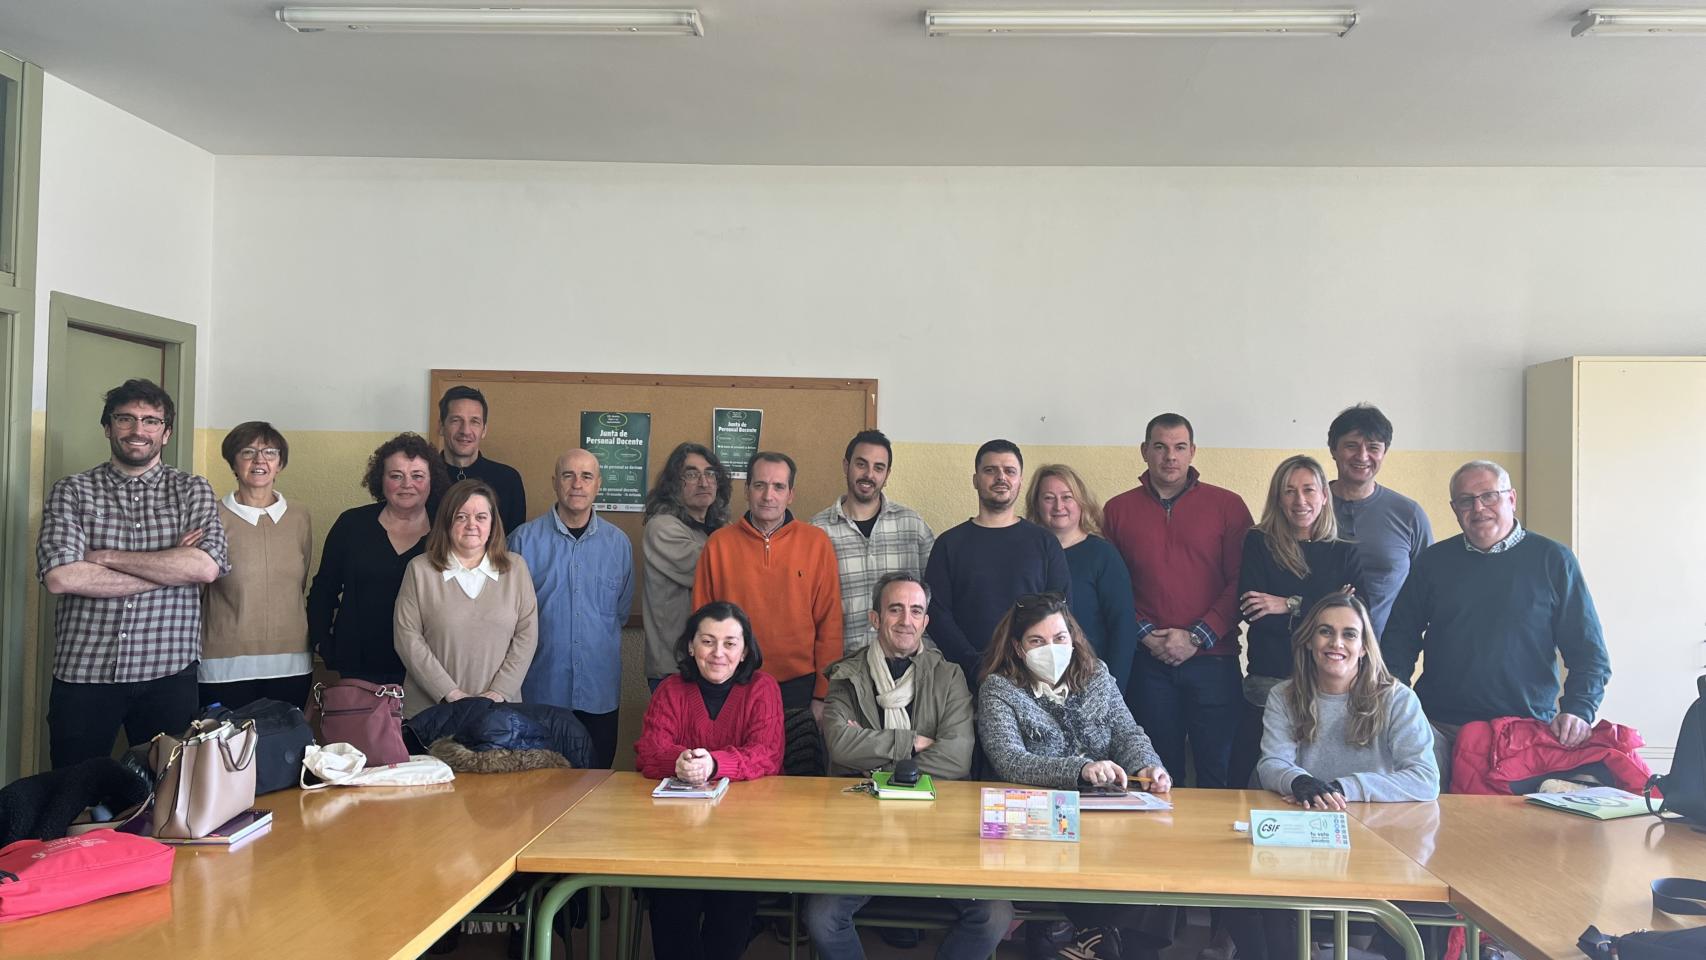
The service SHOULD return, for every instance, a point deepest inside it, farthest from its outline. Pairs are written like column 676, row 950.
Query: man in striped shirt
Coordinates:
column 872, row 534
column 126, row 546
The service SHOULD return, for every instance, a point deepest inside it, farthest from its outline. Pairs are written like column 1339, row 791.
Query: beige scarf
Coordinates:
column 894, row 696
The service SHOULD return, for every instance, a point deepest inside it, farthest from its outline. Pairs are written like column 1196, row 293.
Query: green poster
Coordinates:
column 622, row 443
column 734, row 437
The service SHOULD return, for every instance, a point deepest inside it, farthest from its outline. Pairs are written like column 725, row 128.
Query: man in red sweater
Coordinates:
column 784, row 575
column 1183, row 542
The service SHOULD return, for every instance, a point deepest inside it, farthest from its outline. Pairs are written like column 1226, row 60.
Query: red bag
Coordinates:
column 368, row 716
column 40, row 876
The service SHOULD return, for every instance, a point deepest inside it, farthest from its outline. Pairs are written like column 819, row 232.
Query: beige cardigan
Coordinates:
column 448, row 641
column 253, row 618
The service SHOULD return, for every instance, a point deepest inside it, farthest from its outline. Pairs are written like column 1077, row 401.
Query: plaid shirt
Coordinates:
column 146, row 635
column 900, row 542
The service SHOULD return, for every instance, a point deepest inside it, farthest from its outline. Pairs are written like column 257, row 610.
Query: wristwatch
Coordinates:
column 1293, row 604
column 1196, row 639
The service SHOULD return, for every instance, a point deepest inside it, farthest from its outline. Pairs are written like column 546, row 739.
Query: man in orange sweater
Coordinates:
column 784, row 575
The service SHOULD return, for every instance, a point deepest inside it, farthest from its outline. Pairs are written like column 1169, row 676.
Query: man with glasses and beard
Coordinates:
column 126, row 546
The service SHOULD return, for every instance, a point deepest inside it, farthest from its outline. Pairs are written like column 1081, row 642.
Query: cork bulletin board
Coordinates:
column 535, row 416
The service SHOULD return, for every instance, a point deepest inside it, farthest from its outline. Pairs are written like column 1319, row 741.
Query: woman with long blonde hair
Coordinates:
column 1293, row 557
column 1341, row 729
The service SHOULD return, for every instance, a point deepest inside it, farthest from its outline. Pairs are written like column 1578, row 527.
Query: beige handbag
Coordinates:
column 205, row 779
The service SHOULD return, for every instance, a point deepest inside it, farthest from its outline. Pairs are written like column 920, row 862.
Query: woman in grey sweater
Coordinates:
column 1342, row 728
column 1050, row 715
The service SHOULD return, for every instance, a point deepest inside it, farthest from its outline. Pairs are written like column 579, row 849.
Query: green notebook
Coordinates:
column 924, row 789
column 1600, row 803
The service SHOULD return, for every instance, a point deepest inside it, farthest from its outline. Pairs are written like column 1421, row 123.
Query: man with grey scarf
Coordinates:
column 892, row 700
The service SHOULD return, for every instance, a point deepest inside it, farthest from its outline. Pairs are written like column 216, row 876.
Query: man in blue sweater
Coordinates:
column 977, row 569
column 1492, row 609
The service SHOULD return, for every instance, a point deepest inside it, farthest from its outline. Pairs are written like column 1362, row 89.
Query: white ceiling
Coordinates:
column 1424, row 82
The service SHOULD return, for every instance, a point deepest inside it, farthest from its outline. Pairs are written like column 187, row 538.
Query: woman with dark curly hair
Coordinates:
column 354, row 594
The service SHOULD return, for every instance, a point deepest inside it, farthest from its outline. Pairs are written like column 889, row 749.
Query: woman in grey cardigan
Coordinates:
column 1050, row 715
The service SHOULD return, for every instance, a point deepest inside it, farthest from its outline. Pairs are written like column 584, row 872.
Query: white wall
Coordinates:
column 126, row 218
column 1048, row 304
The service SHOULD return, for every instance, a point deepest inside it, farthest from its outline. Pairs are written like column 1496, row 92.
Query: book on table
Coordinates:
column 1600, row 803
column 243, row 827
column 669, row 788
column 886, row 789
column 1120, row 798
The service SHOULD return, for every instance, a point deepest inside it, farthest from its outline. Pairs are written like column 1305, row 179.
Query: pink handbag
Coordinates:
column 368, row 716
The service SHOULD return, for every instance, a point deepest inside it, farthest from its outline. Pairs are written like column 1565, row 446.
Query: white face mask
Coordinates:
column 1049, row 661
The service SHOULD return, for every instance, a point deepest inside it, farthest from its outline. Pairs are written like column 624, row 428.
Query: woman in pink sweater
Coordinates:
column 717, row 717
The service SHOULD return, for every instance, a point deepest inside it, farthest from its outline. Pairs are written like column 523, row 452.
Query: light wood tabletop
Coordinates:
column 1537, row 878
column 809, row 828
column 369, row 872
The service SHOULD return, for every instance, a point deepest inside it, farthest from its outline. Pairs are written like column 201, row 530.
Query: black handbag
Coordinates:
column 1684, row 787
column 1678, row 895
column 284, row 737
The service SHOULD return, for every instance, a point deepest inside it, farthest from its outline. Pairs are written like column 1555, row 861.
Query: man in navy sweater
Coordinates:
column 977, row 569
column 1492, row 609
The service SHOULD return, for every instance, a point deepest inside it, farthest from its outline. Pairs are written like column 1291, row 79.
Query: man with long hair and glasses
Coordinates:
column 685, row 505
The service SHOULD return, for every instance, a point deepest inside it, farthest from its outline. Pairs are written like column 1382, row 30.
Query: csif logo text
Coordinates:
column 1267, row 829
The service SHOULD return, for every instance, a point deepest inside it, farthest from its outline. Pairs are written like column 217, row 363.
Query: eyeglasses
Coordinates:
column 693, row 475
column 1487, row 499
column 1049, row 601
column 127, row 421
column 268, row 454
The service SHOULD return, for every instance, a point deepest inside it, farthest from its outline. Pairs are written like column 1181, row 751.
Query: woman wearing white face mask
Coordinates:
column 1049, row 715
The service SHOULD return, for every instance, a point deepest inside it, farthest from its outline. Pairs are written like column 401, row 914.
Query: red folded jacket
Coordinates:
column 40, row 876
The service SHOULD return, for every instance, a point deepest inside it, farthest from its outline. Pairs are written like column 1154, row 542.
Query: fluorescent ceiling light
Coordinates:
column 1139, row 23
column 570, row 20
column 1640, row 21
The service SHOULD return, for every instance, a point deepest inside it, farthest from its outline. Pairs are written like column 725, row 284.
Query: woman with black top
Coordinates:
column 1293, row 557
column 354, row 593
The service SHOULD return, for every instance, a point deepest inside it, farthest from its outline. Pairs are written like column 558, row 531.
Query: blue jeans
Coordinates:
column 1198, row 701
column 982, row 924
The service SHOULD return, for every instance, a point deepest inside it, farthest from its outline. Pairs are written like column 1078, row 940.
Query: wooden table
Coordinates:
column 807, row 835
column 1537, row 878
column 367, row 872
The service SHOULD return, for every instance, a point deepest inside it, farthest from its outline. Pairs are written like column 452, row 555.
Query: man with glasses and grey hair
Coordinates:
column 1491, row 609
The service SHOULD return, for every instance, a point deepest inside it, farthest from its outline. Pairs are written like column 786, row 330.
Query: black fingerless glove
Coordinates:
column 1307, row 788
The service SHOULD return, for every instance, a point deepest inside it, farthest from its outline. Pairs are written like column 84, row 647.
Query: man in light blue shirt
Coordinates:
column 583, row 574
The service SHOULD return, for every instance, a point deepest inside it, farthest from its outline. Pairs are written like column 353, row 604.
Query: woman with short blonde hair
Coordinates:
column 1060, row 502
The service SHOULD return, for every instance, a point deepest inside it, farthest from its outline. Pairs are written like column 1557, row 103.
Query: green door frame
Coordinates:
column 19, row 195
column 178, row 341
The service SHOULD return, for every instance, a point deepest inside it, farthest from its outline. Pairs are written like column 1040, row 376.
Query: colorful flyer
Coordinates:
column 1300, row 828
column 1011, row 813
column 734, row 437
column 622, row 444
